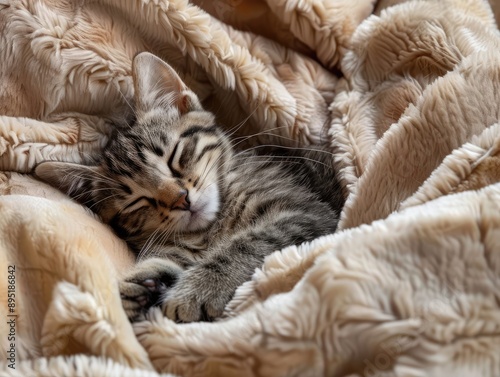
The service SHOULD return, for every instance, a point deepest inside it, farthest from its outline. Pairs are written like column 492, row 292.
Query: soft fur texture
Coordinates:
column 409, row 287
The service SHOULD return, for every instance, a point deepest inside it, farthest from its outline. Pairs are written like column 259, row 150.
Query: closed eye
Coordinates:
column 196, row 181
column 140, row 202
column 207, row 148
column 175, row 173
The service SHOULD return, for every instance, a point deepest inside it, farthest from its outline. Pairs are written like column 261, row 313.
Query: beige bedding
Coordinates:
column 410, row 284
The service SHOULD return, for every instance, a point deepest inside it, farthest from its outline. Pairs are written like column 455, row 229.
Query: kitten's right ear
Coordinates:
column 157, row 85
column 73, row 179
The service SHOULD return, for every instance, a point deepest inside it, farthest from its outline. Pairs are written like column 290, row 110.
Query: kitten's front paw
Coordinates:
column 194, row 298
column 145, row 286
column 137, row 298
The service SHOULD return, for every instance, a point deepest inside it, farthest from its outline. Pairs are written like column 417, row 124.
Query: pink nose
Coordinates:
column 182, row 203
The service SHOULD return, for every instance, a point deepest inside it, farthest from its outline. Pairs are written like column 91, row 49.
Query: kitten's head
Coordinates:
column 165, row 173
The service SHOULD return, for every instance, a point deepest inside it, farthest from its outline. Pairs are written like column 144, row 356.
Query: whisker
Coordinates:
column 204, row 175
column 150, row 241
column 103, row 199
column 95, row 190
column 245, row 138
column 263, row 132
column 129, row 105
column 231, row 131
column 285, row 147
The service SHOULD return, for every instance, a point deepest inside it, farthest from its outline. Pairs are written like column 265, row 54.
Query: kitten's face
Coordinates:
column 165, row 174
column 168, row 172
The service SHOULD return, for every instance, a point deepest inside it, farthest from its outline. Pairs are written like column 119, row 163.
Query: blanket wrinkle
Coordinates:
column 83, row 62
column 319, row 26
column 428, row 314
column 391, row 83
column 79, row 365
column 420, row 129
column 408, row 286
column 461, row 168
column 256, row 17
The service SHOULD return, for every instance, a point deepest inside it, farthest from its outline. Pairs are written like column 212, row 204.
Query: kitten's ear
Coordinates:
column 157, row 85
column 73, row 179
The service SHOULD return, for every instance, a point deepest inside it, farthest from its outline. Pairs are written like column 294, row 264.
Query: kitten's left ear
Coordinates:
column 157, row 85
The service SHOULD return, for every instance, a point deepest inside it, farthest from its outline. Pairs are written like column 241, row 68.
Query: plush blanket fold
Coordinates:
column 408, row 286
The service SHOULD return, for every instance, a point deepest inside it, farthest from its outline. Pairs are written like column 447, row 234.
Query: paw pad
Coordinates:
column 150, row 284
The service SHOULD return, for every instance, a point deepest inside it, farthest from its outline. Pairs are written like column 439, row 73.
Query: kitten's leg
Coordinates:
column 279, row 273
column 145, row 284
column 203, row 290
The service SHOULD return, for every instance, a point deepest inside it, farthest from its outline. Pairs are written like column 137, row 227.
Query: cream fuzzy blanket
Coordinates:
column 410, row 284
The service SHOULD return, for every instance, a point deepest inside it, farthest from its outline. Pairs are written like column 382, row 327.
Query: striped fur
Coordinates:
column 200, row 216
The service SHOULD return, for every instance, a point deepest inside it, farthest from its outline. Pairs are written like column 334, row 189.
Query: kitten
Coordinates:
column 201, row 217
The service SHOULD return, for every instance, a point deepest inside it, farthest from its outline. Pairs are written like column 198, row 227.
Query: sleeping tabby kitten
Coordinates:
column 201, row 217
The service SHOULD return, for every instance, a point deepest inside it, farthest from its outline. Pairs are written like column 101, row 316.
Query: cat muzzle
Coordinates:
column 182, row 203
